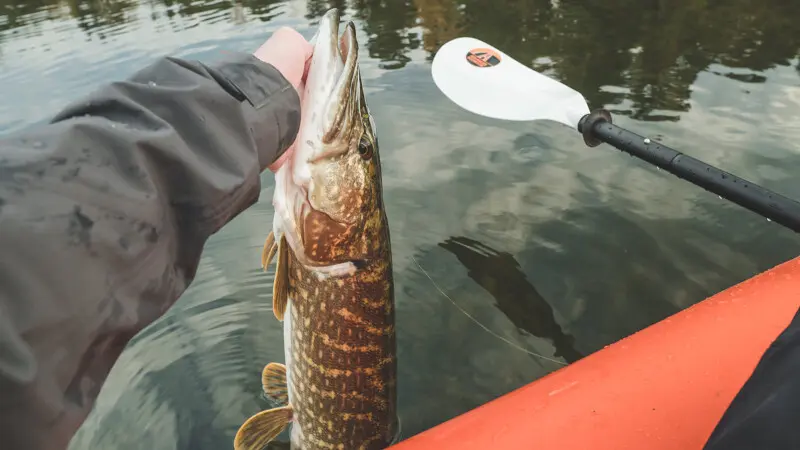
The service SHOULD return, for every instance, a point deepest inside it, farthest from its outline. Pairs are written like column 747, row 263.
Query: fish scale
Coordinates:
column 343, row 357
column 333, row 286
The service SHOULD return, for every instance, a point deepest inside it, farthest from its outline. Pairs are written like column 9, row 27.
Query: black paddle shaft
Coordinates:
column 597, row 127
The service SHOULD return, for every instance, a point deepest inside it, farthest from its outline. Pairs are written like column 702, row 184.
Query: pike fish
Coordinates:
column 333, row 287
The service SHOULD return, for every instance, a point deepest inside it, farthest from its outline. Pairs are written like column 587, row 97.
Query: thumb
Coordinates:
column 288, row 51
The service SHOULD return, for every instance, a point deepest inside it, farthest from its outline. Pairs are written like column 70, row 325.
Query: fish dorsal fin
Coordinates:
column 273, row 379
column 262, row 428
column 269, row 251
column 280, row 287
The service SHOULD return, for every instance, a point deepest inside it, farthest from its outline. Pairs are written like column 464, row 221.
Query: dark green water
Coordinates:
column 587, row 245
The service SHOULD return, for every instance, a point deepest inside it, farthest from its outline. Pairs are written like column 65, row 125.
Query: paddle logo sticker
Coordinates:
column 483, row 57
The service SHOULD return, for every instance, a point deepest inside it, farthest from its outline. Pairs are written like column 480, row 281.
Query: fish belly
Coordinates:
column 295, row 432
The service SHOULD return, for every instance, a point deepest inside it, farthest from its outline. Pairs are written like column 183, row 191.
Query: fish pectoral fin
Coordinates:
column 280, row 287
column 268, row 252
column 262, row 428
column 273, row 379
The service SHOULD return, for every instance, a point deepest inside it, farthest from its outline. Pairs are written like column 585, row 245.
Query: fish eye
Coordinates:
column 365, row 148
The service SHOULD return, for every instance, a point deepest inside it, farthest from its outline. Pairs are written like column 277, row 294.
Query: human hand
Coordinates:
column 290, row 53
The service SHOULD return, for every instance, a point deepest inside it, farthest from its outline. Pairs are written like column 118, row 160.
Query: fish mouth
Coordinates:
column 333, row 94
column 332, row 102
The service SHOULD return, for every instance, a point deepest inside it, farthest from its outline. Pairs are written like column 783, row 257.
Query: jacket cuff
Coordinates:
column 271, row 104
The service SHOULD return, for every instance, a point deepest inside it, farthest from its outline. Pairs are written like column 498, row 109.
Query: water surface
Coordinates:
column 556, row 247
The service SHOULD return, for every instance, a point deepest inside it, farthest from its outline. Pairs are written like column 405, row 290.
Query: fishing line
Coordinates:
column 486, row 329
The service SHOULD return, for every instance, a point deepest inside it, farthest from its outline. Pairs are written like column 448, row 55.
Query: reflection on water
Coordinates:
column 562, row 249
column 499, row 273
column 642, row 57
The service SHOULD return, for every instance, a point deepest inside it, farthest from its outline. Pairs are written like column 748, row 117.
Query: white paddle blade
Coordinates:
column 486, row 81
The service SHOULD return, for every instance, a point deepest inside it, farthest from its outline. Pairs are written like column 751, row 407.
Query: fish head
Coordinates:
column 333, row 182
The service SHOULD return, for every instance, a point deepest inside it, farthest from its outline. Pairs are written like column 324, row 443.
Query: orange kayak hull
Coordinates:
column 665, row 387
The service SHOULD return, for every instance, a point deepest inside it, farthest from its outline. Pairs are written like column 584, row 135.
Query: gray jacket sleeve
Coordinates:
column 104, row 212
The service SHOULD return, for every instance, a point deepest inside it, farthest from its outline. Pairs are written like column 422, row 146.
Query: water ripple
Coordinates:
column 601, row 243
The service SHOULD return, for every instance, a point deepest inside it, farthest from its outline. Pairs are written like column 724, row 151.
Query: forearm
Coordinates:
column 103, row 216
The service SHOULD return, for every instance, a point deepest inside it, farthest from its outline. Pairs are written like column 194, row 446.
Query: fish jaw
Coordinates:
column 292, row 179
column 328, row 192
column 320, row 99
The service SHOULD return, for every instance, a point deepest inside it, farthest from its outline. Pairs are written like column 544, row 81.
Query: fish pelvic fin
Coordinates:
column 273, row 380
column 262, row 428
column 269, row 251
column 280, row 287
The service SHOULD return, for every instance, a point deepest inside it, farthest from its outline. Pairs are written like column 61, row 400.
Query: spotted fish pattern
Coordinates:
column 343, row 369
column 333, row 286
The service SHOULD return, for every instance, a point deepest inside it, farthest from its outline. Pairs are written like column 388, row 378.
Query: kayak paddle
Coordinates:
column 487, row 82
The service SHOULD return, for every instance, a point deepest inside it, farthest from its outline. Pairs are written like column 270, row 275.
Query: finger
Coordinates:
column 289, row 52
